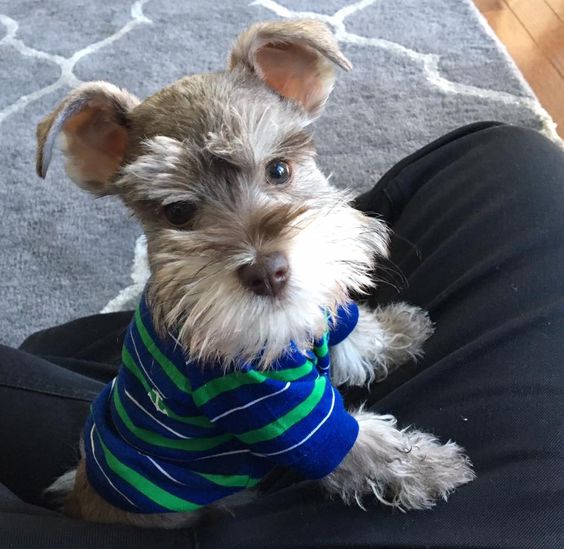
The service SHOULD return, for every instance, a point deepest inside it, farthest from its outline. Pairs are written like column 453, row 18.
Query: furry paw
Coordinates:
column 383, row 339
column 406, row 329
column 429, row 471
column 406, row 469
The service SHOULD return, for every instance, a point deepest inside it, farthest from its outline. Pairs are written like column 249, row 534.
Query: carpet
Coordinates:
column 421, row 68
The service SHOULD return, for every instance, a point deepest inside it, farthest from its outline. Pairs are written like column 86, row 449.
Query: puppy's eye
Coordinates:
column 179, row 213
column 278, row 172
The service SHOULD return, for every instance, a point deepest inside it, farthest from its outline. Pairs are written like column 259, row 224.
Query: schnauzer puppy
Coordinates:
column 246, row 324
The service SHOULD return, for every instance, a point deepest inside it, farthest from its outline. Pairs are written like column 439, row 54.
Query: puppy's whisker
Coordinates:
column 394, row 270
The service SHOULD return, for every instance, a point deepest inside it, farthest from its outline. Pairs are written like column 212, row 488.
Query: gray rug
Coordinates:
column 422, row 68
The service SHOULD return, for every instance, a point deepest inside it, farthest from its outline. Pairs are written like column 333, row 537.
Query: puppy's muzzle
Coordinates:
column 267, row 275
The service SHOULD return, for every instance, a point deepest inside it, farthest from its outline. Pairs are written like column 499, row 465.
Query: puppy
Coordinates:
column 246, row 325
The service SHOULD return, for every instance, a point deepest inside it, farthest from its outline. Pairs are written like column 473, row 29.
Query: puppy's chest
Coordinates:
column 159, row 393
column 170, row 407
column 185, row 395
column 170, row 434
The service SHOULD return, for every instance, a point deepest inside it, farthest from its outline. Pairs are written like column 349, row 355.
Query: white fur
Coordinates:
column 405, row 468
column 383, row 339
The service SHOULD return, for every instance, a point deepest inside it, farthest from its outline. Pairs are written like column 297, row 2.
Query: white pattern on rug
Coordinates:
column 67, row 64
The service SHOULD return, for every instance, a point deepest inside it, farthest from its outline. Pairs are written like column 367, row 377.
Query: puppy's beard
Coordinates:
column 330, row 251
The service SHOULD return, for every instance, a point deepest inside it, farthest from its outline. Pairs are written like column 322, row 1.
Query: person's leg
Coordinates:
column 96, row 338
column 42, row 409
column 479, row 218
column 45, row 392
column 25, row 526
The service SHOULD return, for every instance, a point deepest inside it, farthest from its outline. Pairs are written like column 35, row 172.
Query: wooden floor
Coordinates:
column 533, row 32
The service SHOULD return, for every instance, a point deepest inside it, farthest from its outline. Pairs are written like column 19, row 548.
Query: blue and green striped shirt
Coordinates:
column 170, row 434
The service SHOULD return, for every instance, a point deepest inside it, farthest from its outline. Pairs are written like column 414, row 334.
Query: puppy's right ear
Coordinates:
column 293, row 57
column 93, row 122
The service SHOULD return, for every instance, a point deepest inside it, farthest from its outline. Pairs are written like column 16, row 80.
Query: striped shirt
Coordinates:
column 169, row 434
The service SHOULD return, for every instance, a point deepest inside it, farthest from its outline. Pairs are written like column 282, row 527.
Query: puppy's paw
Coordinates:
column 428, row 472
column 406, row 328
column 383, row 339
column 58, row 492
column 404, row 469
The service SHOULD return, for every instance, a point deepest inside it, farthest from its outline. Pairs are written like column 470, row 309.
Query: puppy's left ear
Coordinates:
column 293, row 57
column 93, row 122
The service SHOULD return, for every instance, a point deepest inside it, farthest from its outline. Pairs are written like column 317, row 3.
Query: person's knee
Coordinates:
column 519, row 165
column 521, row 138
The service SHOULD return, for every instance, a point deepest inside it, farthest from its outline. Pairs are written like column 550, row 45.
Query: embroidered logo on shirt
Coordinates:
column 157, row 400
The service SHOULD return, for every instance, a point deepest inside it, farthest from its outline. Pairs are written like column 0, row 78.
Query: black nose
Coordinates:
column 267, row 275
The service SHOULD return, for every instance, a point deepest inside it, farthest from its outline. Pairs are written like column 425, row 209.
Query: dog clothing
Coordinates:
column 170, row 434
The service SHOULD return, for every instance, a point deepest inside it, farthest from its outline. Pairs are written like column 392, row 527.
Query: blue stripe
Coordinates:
column 171, row 454
column 142, row 410
column 267, row 410
column 169, row 346
column 346, row 318
column 156, row 374
column 202, row 491
column 301, row 429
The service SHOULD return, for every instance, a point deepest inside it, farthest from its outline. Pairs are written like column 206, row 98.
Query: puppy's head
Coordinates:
column 248, row 243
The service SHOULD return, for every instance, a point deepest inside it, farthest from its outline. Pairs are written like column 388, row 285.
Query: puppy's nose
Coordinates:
column 268, row 274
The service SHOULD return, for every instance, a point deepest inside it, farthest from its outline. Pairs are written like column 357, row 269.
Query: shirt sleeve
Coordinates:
column 343, row 323
column 292, row 416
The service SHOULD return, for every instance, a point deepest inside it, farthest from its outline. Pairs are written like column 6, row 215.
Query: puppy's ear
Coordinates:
column 293, row 57
column 93, row 122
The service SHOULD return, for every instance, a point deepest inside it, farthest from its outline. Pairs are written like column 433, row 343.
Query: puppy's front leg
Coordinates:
column 384, row 338
column 406, row 468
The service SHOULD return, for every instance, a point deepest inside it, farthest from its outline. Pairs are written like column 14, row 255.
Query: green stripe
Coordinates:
column 230, row 481
column 190, row 445
column 131, row 365
column 235, row 380
column 323, row 349
column 279, row 426
column 144, row 486
column 223, row 384
column 175, row 375
column 290, row 374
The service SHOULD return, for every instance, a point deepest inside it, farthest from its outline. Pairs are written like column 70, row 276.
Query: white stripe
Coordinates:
column 249, row 404
column 155, row 419
column 100, row 467
column 308, row 436
column 245, row 451
column 163, row 471
column 144, row 369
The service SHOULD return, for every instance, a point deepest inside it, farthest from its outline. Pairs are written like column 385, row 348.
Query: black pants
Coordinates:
column 479, row 222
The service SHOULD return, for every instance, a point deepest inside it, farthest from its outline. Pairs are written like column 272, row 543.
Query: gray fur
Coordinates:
column 405, row 468
column 59, row 490
column 383, row 339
